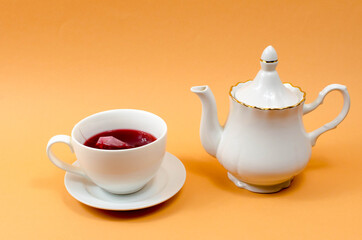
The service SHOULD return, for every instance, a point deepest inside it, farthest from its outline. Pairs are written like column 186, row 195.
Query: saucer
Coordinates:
column 166, row 183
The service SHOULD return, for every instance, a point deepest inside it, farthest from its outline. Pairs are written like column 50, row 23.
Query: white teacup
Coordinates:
column 117, row 171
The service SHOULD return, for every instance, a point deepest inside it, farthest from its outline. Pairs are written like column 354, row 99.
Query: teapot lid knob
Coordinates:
column 269, row 55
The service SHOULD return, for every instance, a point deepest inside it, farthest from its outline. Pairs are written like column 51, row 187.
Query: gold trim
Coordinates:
column 274, row 61
column 246, row 105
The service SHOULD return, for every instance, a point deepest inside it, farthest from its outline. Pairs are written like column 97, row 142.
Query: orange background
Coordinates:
column 61, row 61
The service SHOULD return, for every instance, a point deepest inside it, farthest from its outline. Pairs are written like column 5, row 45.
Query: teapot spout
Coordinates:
column 210, row 129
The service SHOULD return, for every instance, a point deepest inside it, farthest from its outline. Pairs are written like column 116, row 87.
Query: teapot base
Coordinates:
column 259, row 188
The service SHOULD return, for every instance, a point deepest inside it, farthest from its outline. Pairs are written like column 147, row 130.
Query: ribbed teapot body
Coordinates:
column 264, row 147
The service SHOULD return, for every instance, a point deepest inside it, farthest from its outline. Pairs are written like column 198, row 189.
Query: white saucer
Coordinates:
column 168, row 181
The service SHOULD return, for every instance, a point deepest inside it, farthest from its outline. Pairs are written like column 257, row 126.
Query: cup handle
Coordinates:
column 60, row 164
column 313, row 136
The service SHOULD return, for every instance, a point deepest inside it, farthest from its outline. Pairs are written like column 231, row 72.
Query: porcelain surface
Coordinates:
column 263, row 146
column 117, row 171
column 165, row 184
column 267, row 90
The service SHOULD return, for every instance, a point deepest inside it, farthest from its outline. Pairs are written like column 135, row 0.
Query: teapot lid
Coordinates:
column 267, row 91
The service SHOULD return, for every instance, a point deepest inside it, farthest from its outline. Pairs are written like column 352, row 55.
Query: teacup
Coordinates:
column 117, row 171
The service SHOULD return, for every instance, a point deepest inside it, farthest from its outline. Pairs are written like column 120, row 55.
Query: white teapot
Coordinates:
column 263, row 144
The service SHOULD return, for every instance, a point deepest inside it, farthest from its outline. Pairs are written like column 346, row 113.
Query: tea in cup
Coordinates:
column 119, row 166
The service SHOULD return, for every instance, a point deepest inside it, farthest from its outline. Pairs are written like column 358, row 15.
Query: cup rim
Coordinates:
column 120, row 150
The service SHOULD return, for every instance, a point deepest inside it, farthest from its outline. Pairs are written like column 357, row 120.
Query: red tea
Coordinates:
column 120, row 139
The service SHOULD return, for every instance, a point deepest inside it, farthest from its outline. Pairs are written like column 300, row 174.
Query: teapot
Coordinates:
column 263, row 143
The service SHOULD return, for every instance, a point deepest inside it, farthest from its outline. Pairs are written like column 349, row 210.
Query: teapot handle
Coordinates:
column 313, row 136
